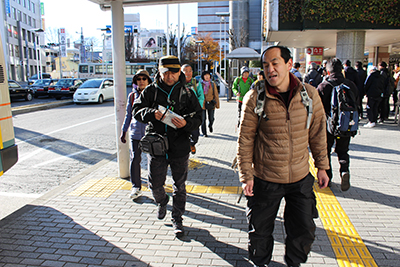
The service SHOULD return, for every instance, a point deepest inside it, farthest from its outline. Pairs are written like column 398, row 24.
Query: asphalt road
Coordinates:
column 55, row 145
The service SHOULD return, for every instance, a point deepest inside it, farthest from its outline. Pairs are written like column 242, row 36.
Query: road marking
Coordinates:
column 62, row 157
column 35, row 152
column 65, row 128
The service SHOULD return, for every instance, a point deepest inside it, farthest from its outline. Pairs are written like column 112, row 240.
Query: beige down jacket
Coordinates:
column 279, row 153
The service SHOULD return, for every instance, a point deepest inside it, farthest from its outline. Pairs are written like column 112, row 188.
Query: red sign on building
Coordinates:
column 316, row 51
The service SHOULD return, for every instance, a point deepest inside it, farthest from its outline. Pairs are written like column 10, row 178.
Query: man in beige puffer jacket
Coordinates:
column 273, row 164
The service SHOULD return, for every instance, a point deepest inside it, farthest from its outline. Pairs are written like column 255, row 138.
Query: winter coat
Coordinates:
column 351, row 74
column 137, row 129
column 197, row 88
column 315, row 76
column 279, row 153
column 211, row 94
column 239, row 86
column 180, row 100
column 362, row 76
column 374, row 85
column 325, row 89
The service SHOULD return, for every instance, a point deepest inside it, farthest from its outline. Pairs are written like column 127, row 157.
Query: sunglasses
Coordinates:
column 141, row 79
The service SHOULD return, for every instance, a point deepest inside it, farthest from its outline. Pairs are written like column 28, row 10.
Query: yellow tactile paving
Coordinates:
column 349, row 249
column 347, row 245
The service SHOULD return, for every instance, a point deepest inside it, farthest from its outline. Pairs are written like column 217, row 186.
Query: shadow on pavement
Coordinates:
column 42, row 235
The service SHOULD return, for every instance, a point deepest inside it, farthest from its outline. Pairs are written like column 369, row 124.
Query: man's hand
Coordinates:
column 248, row 188
column 323, row 178
column 158, row 115
column 238, row 94
column 179, row 123
column 122, row 137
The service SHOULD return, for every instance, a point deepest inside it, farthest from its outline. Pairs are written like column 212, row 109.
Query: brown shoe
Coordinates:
column 193, row 149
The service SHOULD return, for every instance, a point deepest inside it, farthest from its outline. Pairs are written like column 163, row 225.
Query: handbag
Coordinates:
column 211, row 104
column 154, row 144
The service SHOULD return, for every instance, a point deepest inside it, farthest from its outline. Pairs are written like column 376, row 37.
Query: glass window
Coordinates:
column 24, row 18
column 91, row 69
column 33, row 7
column 29, row 36
column 34, row 54
column 83, row 69
column 34, row 23
column 29, row 4
column 25, row 52
column 16, row 51
column 24, row 3
column 19, row 15
column 15, row 32
column 110, row 69
column 30, row 53
column 10, row 30
column 29, row 21
column 11, row 50
column 14, row 13
column 98, row 69
column 19, row 1
column 24, row 34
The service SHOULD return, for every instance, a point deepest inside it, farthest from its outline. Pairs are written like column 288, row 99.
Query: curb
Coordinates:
column 36, row 107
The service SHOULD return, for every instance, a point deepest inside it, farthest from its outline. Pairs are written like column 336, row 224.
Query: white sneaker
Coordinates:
column 369, row 125
column 135, row 193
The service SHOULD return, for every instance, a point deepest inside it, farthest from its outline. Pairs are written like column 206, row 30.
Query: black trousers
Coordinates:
column 300, row 209
column 342, row 151
column 158, row 167
column 372, row 108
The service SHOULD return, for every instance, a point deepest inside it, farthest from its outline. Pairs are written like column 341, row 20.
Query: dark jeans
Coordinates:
column 211, row 119
column 136, row 158
column 384, row 108
column 300, row 209
column 158, row 167
column 194, row 137
column 341, row 149
column 372, row 108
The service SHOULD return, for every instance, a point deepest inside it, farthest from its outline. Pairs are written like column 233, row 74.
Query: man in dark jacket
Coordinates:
column 313, row 77
column 374, row 91
column 335, row 77
column 169, row 90
column 387, row 92
column 362, row 76
column 351, row 74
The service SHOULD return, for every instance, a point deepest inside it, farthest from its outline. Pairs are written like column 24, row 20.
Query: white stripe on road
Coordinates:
column 62, row 157
column 37, row 151
column 65, row 128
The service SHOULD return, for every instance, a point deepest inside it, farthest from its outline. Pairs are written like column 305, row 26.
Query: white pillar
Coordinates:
column 168, row 52
column 118, row 54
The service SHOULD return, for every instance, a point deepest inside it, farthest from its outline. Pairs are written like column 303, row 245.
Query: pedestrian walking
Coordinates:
column 273, row 159
column 211, row 102
column 197, row 88
column 335, row 78
column 241, row 85
column 168, row 92
column 137, row 130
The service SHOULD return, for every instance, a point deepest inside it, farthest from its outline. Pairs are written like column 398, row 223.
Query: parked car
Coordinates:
column 94, row 90
column 17, row 91
column 65, row 87
column 40, row 87
column 34, row 77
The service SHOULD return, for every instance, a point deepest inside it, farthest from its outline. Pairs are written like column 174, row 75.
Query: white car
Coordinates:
column 94, row 90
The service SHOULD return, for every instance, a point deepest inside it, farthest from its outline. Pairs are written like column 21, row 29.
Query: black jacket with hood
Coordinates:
column 374, row 85
column 180, row 100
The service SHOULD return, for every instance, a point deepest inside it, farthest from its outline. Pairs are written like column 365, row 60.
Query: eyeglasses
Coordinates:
column 141, row 79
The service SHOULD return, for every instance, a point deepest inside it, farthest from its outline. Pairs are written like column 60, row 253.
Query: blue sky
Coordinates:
column 74, row 14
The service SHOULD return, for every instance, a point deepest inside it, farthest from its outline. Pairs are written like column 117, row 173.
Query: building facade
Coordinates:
column 22, row 20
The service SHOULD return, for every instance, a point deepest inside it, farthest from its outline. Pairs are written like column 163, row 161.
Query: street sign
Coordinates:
column 63, row 43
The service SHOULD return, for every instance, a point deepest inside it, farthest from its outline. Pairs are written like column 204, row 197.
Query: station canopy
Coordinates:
column 244, row 53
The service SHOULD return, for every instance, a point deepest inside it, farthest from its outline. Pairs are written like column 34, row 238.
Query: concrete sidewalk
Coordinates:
column 90, row 220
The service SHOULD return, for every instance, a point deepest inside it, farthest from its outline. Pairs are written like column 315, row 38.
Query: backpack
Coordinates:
column 343, row 118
